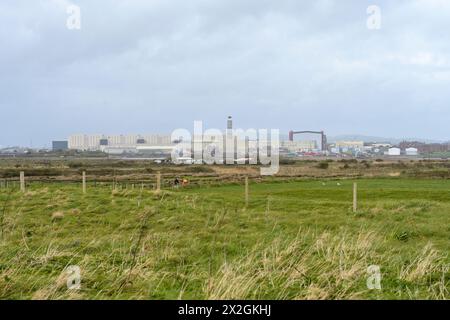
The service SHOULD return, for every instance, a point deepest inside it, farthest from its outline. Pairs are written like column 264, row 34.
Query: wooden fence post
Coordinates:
column 22, row 181
column 158, row 181
column 246, row 192
column 84, row 182
column 355, row 197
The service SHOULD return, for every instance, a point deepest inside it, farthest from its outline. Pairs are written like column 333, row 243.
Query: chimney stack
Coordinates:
column 230, row 123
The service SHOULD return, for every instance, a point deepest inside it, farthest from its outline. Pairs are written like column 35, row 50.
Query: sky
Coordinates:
column 152, row 66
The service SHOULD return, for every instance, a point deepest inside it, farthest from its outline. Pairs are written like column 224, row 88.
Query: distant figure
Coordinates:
column 176, row 183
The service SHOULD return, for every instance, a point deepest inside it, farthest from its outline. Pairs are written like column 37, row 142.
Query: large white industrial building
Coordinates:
column 411, row 151
column 95, row 142
column 394, row 152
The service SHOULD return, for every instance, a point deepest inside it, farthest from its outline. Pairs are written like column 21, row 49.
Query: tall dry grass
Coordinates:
column 320, row 266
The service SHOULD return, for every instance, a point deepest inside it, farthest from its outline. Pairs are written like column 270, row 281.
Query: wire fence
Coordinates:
column 149, row 181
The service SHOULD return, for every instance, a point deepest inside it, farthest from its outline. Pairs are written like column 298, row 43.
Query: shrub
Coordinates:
column 75, row 165
column 348, row 161
column 287, row 161
column 200, row 169
column 323, row 165
column 366, row 163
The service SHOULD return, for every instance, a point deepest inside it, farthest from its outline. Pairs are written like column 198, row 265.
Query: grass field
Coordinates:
column 295, row 240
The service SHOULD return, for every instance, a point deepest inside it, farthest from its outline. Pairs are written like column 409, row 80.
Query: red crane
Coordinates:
column 324, row 137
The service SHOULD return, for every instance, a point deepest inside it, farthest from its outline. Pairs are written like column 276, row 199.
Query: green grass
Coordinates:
column 295, row 240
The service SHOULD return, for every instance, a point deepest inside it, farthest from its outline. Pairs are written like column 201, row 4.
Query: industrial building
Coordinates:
column 60, row 145
column 411, row 151
column 323, row 138
column 299, row 146
column 98, row 142
column 394, row 152
column 353, row 147
column 350, row 144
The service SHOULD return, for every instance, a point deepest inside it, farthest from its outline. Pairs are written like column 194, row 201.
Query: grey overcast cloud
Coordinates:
column 156, row 65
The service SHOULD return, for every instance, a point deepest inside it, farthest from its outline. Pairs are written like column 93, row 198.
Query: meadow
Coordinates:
column 295, row 239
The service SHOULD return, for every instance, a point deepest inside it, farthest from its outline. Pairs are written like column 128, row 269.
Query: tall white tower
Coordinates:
column 230, row 123
column 229, row 143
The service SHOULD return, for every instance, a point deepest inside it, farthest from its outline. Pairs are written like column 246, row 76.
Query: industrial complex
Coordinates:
column 299, row 143
column 296, row 144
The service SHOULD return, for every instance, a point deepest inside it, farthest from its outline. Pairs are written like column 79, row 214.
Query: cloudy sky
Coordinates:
column 149, row 66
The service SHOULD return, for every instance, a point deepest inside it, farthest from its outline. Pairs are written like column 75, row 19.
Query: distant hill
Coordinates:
column 356, row 137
